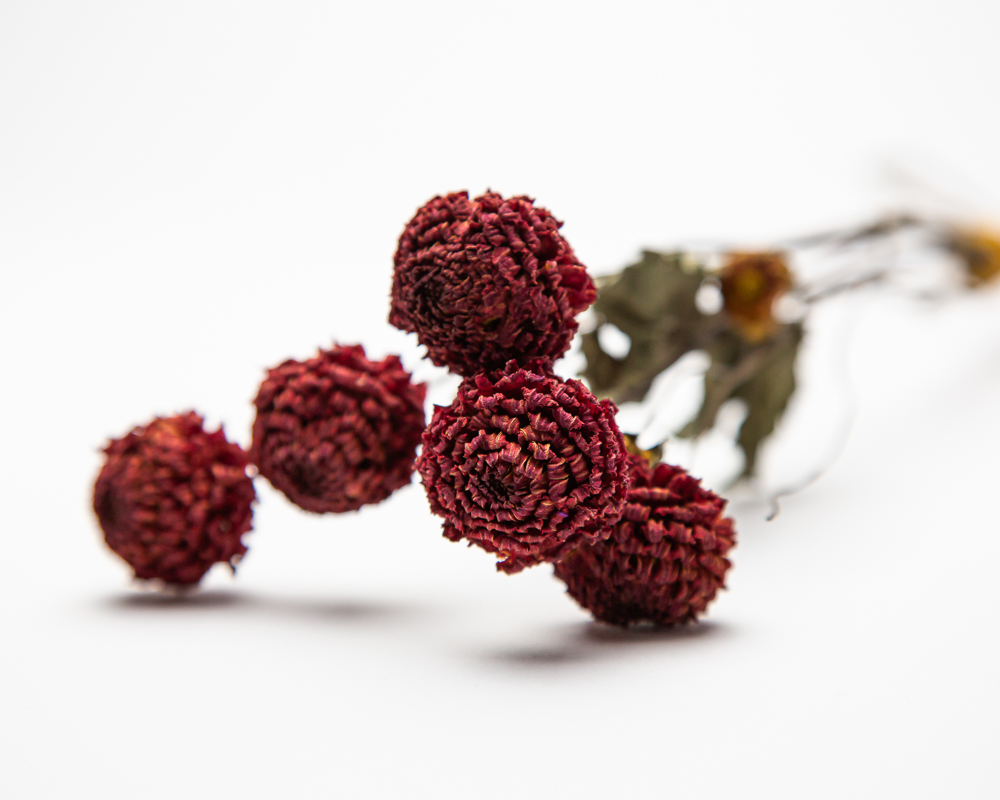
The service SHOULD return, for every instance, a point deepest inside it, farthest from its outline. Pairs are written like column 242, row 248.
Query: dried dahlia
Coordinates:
column 485, row 281
column 337, row 431
column 524, row 464
column 173, row 499
column 751, row 282
column 665, row 559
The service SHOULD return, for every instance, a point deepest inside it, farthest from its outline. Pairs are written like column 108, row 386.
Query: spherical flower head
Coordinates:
column 172, row 499
column 750, row 284
column 525, row 464
column 665, row 559
column 978, row 249
column 488, row 280
column 337, row 431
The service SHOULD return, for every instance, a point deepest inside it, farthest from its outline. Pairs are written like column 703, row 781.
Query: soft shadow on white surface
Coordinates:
column 566, row 644
column 149, row 602
column 325, row 612
column 592, row 641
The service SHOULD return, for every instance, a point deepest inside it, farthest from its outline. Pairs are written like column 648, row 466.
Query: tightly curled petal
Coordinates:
column 488, row 280
column 337, row 431
column 521, row 483
column 172, row 499
column 665, row 559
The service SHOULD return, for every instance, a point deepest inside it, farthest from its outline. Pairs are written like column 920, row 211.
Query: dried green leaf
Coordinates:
column 653, row 303
column 767, row 395
column 761, row 374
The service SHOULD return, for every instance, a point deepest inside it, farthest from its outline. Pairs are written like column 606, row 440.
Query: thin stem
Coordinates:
column 887, row 226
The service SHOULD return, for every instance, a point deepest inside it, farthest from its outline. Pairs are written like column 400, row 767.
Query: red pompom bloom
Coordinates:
column 525, row 464
column 173, row 499
column 488, row 280
column 665, row 559
column 338, row 431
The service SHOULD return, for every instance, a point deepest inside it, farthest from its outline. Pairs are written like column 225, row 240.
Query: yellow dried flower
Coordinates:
column 979, row 251
column 750, row 284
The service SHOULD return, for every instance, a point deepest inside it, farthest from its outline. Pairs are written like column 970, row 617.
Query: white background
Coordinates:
column 193, row 191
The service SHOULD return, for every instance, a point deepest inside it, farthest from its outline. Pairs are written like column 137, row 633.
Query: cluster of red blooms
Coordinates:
column 524, row 464
column 332, row 433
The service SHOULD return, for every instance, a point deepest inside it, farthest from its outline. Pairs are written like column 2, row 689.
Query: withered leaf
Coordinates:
column 761, row 374
column 653, row 303
column 767, row 395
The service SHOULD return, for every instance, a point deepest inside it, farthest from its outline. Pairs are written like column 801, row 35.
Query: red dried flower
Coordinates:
column 173, row 499
column 524, row 464
column 488, row 280
column 337, row 431
column 665, row 560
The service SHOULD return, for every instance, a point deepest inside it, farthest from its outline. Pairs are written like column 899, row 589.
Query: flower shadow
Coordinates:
column 339, row 611
column 310, row 610
column 176, row 600
column 593, row 641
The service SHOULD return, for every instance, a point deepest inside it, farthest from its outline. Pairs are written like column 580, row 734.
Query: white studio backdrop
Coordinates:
column 193, row 191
